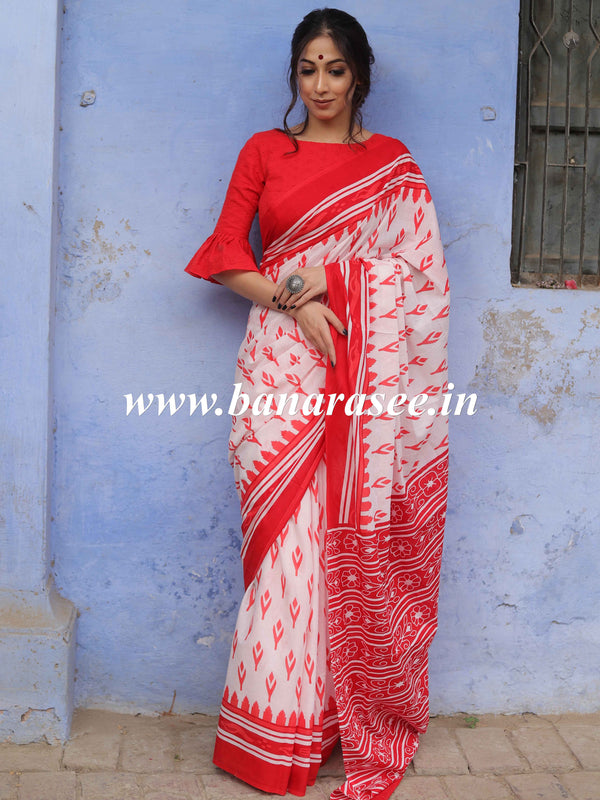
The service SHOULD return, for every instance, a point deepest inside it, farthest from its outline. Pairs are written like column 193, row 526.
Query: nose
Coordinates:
column 321, row 86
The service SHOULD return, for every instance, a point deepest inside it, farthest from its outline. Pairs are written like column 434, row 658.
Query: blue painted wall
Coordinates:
column 37, row 626
column 145, row 533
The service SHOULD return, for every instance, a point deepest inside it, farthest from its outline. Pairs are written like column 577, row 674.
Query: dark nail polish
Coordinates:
column 331, row 362
column 294, row 306
column 345, row 332
column 273, row 299
column 283, row 308
column 278, row 305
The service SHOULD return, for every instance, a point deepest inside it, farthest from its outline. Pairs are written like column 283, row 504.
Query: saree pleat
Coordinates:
column 278, row 714
column 343, row 504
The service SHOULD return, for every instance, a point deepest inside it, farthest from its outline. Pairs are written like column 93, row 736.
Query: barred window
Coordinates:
column 556, row 206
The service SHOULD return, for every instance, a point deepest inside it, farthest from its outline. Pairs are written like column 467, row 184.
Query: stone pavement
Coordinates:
column 168, row 757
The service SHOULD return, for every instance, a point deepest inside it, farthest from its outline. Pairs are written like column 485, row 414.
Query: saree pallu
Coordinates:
column 343, row 503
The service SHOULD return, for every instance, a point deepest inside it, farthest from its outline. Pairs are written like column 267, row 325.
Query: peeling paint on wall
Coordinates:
column 526, row 360
column 34, row 711
column 544, row 403
column 99, row 258
column 515, row 340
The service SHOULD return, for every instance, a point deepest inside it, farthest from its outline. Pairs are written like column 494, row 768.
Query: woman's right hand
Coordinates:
column 314, row 318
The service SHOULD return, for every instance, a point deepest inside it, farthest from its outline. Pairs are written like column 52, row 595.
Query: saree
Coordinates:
column 343, row 496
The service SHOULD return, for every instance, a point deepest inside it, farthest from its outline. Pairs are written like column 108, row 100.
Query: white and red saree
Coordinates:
column 343, row 502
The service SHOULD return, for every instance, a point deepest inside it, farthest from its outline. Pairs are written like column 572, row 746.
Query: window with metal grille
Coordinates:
column 556, row 208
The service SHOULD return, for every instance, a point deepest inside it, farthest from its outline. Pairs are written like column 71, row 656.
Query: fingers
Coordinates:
column 283, row 295
column 285, row 299
column 299, row 299
column 315, row 283
column 329, row 347
column 335, row 321
column 321, row 338
column 315, row 321
column 280, row 290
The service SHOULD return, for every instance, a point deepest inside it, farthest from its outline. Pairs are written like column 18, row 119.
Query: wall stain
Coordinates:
column 30, row 711
column 515, row 340
column 205, row 641
column 96, row 264
column 544, row 403
column 517, row 528
column 589, row 319
column 523, row 359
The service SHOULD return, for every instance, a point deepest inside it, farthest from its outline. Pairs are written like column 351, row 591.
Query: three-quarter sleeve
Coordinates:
column 228, row 247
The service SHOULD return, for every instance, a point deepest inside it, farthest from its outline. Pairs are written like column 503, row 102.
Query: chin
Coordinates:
column 326, row 113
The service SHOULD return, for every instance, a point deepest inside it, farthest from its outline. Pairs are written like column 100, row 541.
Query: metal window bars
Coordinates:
column 556, row 204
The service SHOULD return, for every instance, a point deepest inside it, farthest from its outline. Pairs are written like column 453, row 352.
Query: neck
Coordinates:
column 319, row 131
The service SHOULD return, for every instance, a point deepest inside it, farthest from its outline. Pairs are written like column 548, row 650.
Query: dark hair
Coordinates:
column 351, row 40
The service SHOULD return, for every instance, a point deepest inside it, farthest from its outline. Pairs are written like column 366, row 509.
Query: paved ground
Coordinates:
column 122, row 757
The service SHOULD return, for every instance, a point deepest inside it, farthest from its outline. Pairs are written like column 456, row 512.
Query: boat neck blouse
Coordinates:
column 272, row 178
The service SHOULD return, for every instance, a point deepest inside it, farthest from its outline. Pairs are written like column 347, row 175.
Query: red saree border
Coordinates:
column 272, row 508
column 275, row 758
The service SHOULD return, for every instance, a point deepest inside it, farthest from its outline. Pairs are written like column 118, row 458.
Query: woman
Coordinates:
column 343, row 502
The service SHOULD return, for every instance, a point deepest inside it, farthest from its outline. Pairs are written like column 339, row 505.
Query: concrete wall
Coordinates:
column 37, row 626
column 145, row 532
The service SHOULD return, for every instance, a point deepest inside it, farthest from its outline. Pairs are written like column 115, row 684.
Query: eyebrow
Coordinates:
column 333, row 61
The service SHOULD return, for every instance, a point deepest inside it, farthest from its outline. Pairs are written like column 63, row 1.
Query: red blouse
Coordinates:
column 268, row 177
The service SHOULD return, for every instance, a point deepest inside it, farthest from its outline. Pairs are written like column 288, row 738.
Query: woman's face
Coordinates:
column 325, row 81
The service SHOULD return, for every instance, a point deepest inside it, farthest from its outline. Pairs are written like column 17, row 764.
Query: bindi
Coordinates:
column 320, row 57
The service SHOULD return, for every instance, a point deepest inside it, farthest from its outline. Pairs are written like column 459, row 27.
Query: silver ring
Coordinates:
column 294, row 284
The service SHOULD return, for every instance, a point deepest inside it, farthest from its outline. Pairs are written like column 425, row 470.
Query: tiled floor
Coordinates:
column 122, row 757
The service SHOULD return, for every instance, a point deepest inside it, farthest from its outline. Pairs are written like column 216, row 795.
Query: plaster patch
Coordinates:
column 517, row 528
column 589, row 319
column 30, row 711
column 88, row 98
column 544, row 403
column 96, row 264
column 523, row 360
column 515, row 340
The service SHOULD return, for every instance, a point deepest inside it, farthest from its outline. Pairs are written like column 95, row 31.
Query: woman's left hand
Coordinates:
column 315, row 284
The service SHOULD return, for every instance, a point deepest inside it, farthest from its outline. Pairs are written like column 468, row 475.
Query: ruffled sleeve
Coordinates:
column 228, row 247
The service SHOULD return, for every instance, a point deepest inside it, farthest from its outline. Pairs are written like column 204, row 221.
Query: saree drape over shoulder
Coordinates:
column 343, row 502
